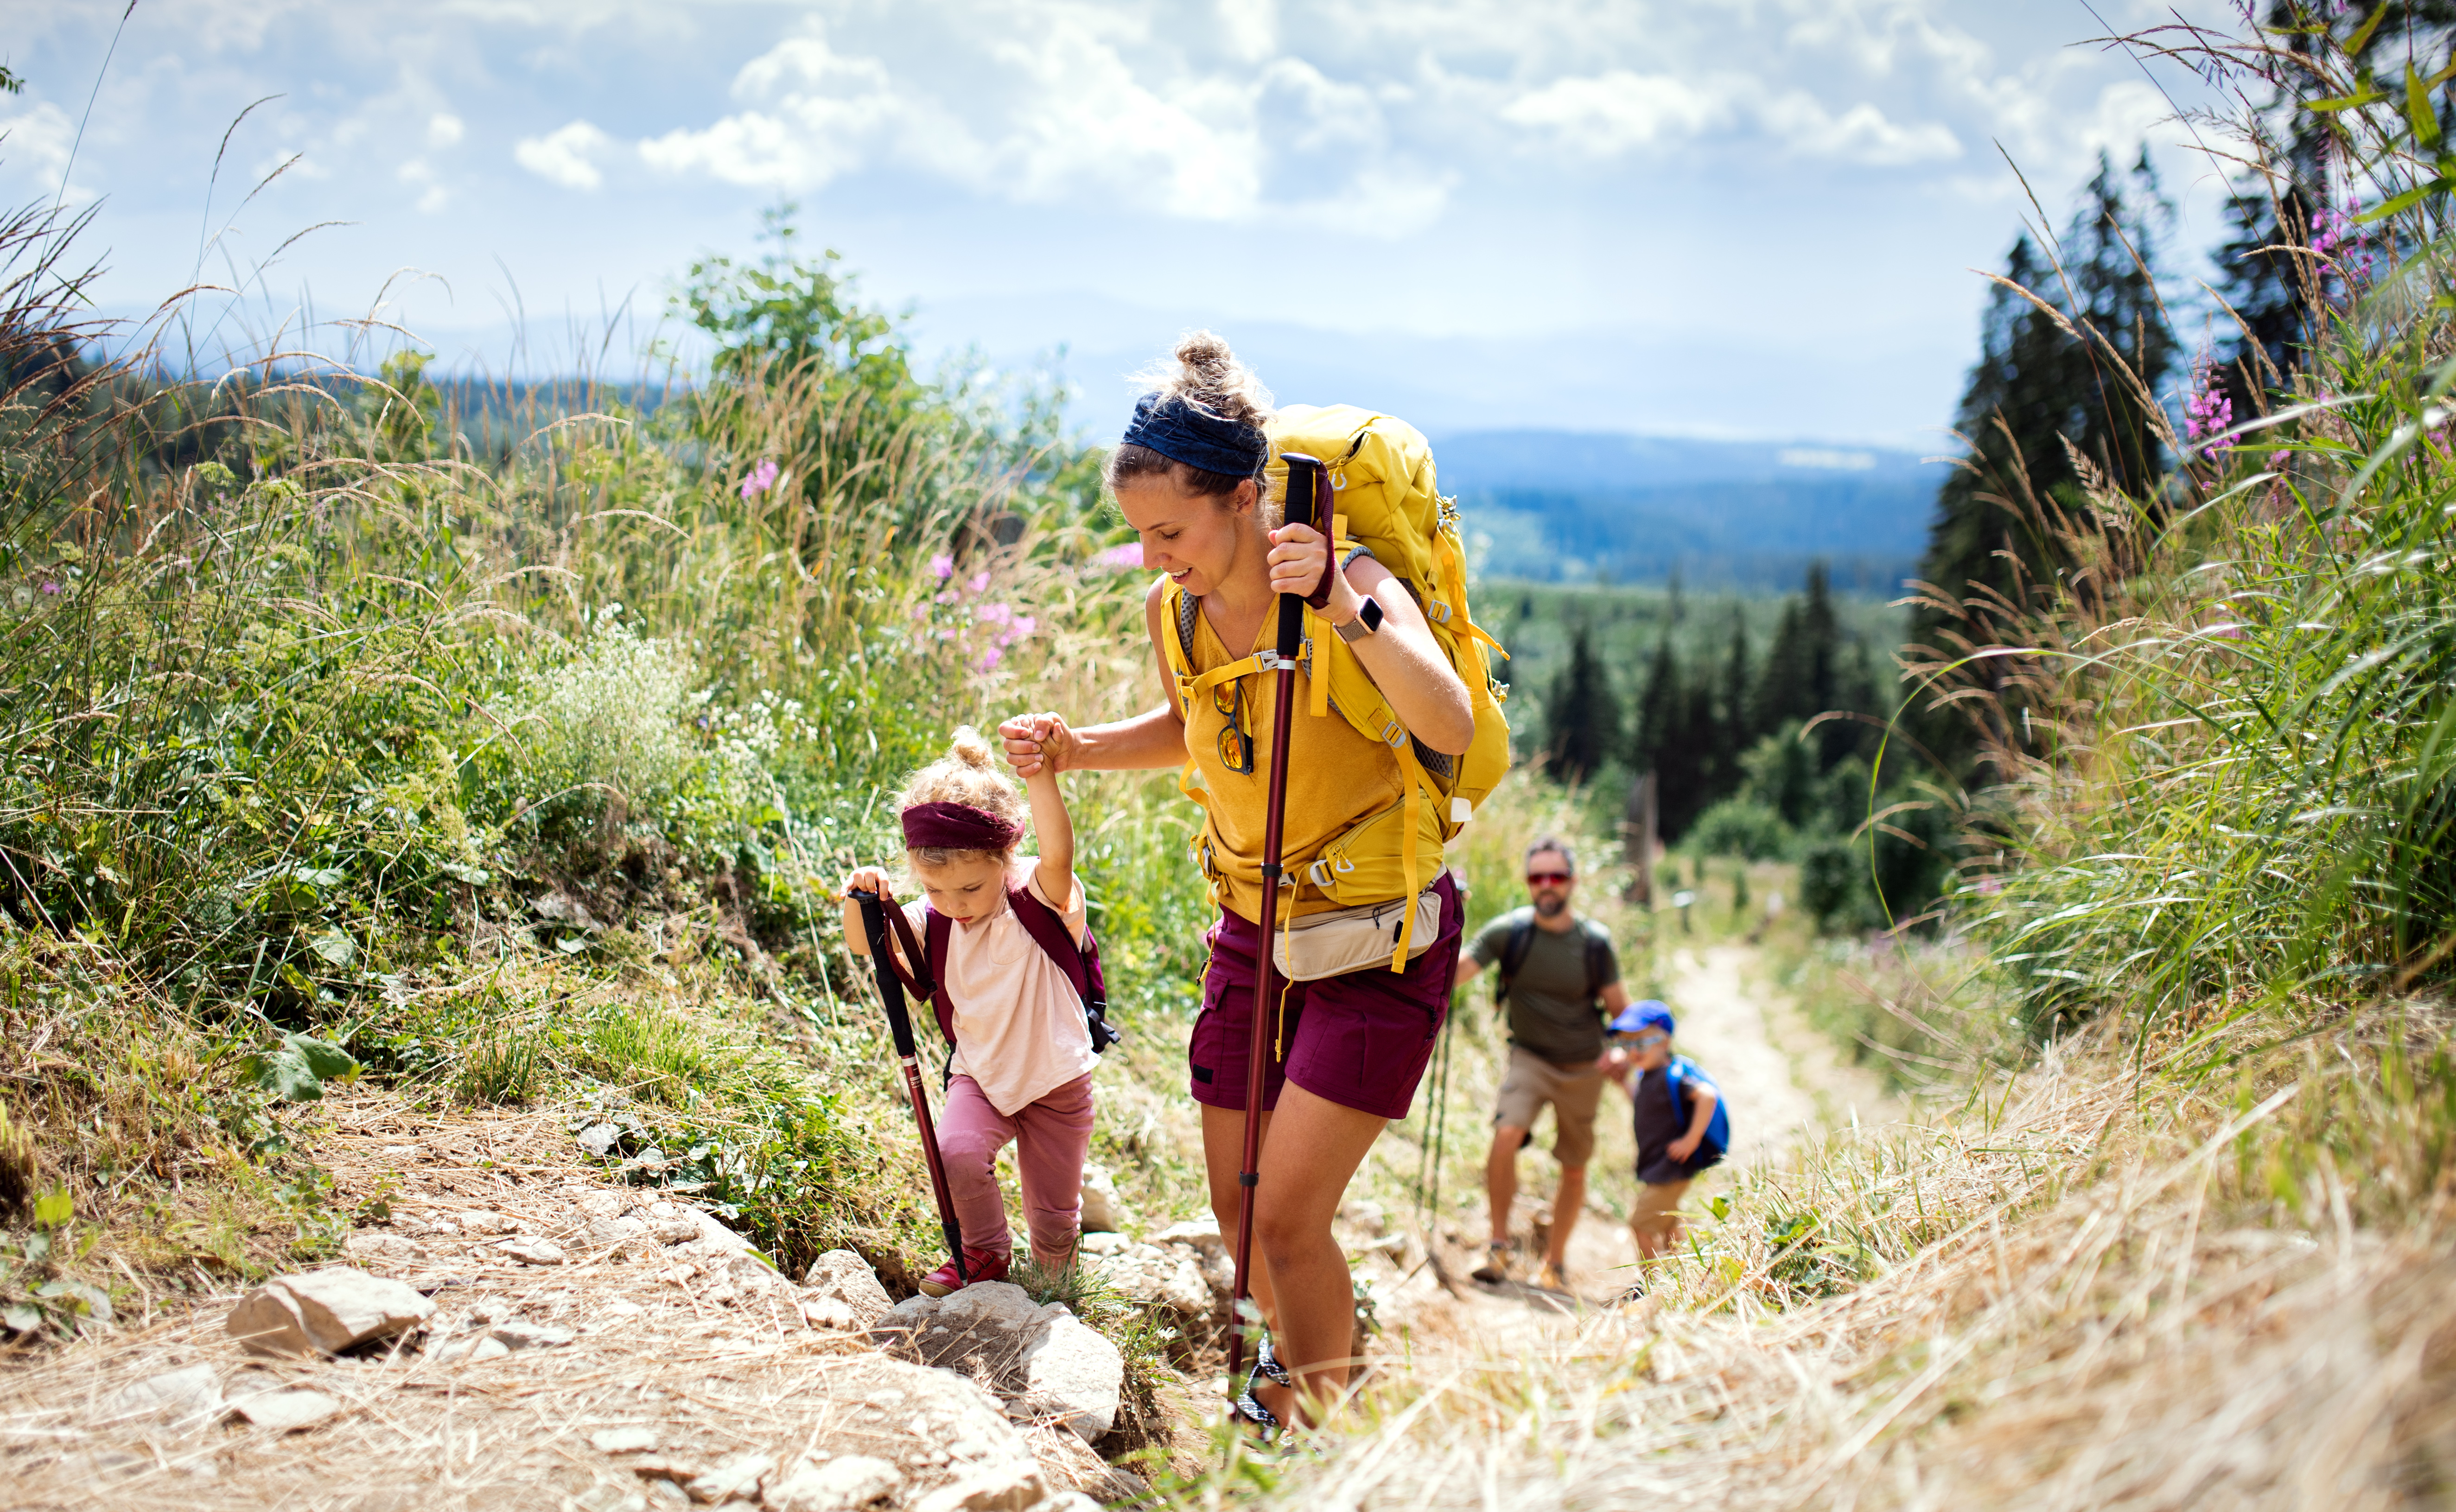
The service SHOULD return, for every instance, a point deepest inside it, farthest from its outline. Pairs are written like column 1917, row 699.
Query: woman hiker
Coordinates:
column 1349, row 1050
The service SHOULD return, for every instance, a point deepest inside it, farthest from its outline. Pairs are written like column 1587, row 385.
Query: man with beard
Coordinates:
column 1560, row 981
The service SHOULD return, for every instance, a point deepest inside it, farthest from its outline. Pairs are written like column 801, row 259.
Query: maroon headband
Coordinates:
column 956, row 827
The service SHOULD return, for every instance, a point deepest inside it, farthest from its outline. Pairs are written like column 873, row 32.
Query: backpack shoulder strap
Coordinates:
column 1513, row 956
column 1048, row 929
column 1081, row 961
column 935, row 929
column 1598, row 941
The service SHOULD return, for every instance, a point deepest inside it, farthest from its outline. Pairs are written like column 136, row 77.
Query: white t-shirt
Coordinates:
column 1019, row 1029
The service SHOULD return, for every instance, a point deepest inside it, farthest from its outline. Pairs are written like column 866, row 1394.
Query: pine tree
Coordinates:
column 2001, row 517
column 1581, row 717
column 1659, row 706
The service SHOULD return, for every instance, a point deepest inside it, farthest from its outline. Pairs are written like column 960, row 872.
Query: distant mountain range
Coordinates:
column 1585, row 506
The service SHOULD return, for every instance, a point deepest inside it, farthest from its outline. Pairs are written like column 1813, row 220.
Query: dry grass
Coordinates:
column 2068, row 1308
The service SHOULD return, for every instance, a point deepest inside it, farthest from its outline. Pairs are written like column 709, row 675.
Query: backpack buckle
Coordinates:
column 1437, row 611
column 1394, row 733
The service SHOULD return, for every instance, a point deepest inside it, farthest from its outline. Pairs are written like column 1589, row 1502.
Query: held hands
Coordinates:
column 1038, row 744
column 1299, row 554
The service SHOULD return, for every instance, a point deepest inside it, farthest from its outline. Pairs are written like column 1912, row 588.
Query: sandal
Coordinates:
column 1263, row 1421
column 1267, row 1366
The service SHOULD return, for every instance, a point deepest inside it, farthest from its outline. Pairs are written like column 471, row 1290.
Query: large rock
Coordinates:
column 839, row 1484
column 842, row 1292
column 1201, row 1239
column 736, row 1475
column 989, row 1305
column 324, row 1312
column 1012, row 1487
column 1153, row 1276
column 1072, row 1375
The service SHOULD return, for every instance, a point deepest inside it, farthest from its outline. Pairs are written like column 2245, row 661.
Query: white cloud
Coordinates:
column 565, row 155
column 34, row 143
column 1616, row 112
column 443, row 129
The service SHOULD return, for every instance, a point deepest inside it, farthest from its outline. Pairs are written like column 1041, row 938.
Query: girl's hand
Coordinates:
column 1035, row 743
column 866, row 879
column 1299, row 554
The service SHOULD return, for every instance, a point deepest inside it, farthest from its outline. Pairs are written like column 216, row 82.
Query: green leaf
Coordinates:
column 2344, row 102
column 2362, row 38
column 283, row 1072
column 2405, row 201
column 572, row 944
column 2418, row 108
column 326, row 1060
column 335, row 946
column 23, row 1318
column 475, row 876
column 320, row 877
column 53, row 1208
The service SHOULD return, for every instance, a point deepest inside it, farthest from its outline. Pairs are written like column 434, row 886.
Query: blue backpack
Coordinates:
column 1717, row 1142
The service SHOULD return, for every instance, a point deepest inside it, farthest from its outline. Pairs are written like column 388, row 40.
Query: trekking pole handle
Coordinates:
column 1307, row 482
column 891, row 986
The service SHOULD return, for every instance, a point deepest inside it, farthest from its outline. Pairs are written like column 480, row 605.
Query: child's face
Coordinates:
column 963, row 889
column 1648, row 1049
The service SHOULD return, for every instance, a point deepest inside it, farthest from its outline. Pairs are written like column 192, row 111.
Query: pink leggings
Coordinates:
column 1050, row 1137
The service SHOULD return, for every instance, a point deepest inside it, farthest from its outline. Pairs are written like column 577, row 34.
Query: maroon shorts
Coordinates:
column 1358, row 1040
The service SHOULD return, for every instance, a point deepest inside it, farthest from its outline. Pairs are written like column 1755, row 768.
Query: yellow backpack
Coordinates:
column 1387, row 502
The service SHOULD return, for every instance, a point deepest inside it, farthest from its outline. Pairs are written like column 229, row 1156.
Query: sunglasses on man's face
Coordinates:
column 1548, row 879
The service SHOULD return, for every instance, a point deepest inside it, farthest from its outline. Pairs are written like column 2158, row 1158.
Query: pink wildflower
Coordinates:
column 942, row 567
column 1120, row 559
column 761, row 478
column 2209, row 414
column 980, row 581
column 51, row 587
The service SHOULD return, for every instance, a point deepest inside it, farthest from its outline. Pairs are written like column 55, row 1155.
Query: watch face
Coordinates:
column 1371, row 613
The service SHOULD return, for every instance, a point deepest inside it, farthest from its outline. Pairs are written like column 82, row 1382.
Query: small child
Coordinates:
column 1682, row 1127
column 1023, row 1056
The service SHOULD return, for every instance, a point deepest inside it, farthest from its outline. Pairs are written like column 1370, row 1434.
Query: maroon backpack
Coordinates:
column 1048, row 929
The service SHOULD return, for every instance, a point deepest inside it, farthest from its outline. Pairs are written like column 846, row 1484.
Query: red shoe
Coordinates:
column 980, row 1265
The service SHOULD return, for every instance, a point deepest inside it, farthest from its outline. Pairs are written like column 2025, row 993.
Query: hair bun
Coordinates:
column 1209, row 378
column 973, row 750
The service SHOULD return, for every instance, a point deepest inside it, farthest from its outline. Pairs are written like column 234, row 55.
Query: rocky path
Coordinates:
column 541, row 1339
column 1783, row 1077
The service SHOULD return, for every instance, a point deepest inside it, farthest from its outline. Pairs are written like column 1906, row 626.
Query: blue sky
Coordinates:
column 1752, row 218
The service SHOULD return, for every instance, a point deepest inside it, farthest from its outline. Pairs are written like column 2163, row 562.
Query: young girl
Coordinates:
column 1022, row 1067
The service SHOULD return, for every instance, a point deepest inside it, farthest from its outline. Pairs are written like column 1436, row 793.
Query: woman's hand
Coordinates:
column 1299, row 556
column 865, row 879
column 1034, row 741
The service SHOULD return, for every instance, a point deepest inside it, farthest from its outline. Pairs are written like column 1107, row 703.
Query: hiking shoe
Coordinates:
column 981, row 1265
column 1548, row 1277
column 1495, row 1268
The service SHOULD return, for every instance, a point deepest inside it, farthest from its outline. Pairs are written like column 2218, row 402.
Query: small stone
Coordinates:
column 533, row 1336
column 599, row 1139
column 480, row 1220
column 623, row 1441
column 530, row 1249
column 830, row 1313
column 835, row 1485
column 381, row 1248
column 673, row 1229
column 622, row 1308
column 1096, row 1243
column 327, row 1311
column 475, row 1350
column 845, row 1277
column 1366, row 1217
column 183, row 1399
column 736, row 1475
column 1012, row 1486
column 1203, row 1233
column 658, row 1467
column 1102, row 1212
column 609, row 1234
column 287, row 1410
column 667, row 1494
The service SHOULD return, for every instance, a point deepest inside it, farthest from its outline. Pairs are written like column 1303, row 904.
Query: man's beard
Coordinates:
column 1550, row 904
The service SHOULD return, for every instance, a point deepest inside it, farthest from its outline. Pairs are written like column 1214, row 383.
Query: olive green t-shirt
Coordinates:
column 1550, row 1011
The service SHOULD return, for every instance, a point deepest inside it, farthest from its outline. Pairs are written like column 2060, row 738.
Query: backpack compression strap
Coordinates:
column 1513, row 956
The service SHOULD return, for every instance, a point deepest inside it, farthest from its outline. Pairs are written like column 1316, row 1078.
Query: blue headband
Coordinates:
column 1184, row 434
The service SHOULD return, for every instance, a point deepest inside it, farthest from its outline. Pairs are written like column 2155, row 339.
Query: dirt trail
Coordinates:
column 1781, row 1077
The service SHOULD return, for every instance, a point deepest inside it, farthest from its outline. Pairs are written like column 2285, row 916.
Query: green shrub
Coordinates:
column 1741, row 827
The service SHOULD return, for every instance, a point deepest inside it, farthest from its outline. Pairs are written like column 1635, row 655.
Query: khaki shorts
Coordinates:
column 1656, row 1211
column 1573, row 1090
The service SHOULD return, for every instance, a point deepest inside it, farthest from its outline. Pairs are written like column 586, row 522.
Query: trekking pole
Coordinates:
column 899, row 1024
column 1307, row 481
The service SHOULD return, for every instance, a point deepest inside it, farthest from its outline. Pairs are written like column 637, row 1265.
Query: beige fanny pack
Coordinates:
column 1345, row 940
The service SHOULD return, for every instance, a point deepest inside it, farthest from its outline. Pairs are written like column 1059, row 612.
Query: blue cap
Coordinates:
column 1649, row 1014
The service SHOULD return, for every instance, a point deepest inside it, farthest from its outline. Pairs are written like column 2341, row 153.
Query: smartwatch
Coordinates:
column 1368, row 619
